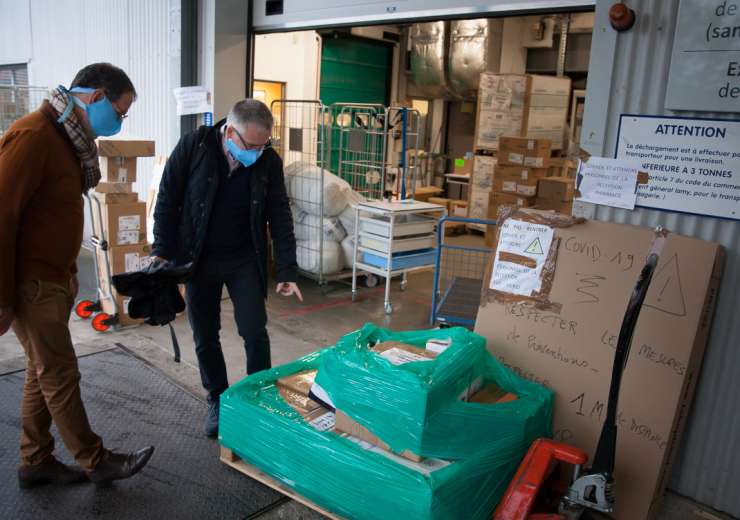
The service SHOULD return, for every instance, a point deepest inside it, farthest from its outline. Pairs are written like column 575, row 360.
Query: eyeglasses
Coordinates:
column 253, row 147
column 121, row 116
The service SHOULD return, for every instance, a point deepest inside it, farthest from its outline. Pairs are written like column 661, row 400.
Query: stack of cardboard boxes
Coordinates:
column 122, row 219
column 522, row 164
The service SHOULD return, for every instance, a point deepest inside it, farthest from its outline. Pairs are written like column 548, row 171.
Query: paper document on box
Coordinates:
column 400, row 357
column 520, row 256
column 324, row 423
column 609, row 182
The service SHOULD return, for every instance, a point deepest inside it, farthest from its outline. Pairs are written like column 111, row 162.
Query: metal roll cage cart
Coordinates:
column 101, row 321
column 458, row 278
column 349, row 140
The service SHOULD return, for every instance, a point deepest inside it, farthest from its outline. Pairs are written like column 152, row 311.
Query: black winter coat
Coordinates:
column 184, row 205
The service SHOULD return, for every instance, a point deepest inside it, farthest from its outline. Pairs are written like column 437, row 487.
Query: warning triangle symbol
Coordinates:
column 666, row 294
column 535, row 248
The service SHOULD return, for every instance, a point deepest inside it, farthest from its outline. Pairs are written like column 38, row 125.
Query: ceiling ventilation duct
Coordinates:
column 429, row 54
column 447, row 58
column 475, row 47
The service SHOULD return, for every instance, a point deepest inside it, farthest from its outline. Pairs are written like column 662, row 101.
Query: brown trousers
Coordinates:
column 52, row 390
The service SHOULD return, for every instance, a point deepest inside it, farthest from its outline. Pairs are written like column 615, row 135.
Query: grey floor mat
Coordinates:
column 131, row 406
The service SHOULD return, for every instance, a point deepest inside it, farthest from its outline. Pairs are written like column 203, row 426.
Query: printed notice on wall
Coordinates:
column 693, row 164
column 192, row 100
column 705, row 63
column 608, row 182
column 520, row 255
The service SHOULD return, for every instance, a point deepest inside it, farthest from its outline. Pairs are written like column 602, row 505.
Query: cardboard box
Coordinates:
column 123, row 224
column 558, row 188
column 122, row 259
column 113, row 187
column 490, row 236
column 118, row 169
column 441, row 201
column 572, row 351
column 521, row 105
column 483, row 167
column 117, row 198
column 124, row 145
column 347, row 425
column 497, row 198
column 463, row 166
column 122, row 306
column 424, row 193
column 517, row 179
column 459, row 208
column 300, row 381
column 524, row 151
column 559, row 206
column 300, row 402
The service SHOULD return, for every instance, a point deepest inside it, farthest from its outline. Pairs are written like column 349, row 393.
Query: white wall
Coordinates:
column 290, row 58
column 15, row 32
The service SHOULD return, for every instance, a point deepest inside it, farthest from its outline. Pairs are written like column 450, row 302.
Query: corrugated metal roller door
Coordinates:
column 293, row 16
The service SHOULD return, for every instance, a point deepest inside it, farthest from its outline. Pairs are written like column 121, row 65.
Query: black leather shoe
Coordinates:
column 51, row 471
column 120, row 466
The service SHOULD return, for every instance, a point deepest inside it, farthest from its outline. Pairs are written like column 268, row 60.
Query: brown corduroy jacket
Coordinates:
column 41, row 205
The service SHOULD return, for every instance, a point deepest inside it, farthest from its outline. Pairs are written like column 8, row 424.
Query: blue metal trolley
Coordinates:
column 458, row 278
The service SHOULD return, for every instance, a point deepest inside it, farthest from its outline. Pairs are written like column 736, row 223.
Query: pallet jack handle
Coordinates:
column 607, row 447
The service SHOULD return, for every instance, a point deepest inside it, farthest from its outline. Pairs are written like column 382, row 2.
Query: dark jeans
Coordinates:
column 242, row 279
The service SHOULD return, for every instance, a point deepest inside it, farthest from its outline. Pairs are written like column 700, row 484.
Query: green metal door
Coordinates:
column 353, row 71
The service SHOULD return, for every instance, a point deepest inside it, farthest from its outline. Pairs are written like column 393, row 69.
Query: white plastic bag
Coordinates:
column 307, row 226
column 303, row 184
column 349, row 215
column 348, row 248
column 308, row 256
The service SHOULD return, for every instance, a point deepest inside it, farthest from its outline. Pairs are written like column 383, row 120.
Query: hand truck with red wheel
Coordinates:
column 537, row 492
column 101, row 321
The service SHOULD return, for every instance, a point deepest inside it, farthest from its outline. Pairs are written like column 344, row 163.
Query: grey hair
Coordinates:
column 250, row 111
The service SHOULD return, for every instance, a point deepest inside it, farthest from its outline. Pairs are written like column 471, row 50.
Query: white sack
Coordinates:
column 307, row 254
column 303, row 184
column 349, row 215
column 307, row 227
column 348, row 248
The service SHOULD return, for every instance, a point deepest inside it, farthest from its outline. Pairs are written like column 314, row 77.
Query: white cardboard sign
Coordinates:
column 693, row 164
column 608, row 182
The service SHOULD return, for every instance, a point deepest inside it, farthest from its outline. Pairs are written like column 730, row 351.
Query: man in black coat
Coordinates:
column 221, row 186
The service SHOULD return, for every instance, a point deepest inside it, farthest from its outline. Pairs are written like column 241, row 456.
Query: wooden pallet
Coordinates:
column 232, row 459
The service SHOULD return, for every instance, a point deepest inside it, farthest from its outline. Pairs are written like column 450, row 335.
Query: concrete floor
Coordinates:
column 296, row 329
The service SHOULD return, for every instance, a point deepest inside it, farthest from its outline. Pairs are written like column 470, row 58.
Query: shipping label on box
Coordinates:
column 569, row 348
column 509, row 186
column 520, row 174
column 483, row 172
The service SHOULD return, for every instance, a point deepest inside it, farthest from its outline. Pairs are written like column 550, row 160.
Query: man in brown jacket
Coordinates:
column 47, row 160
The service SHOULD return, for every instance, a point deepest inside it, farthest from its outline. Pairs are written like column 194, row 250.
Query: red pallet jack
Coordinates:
column 537, row 492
